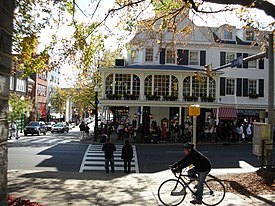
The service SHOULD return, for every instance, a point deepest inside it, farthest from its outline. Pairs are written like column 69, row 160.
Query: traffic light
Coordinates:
column 197, row 76
column 208, row 70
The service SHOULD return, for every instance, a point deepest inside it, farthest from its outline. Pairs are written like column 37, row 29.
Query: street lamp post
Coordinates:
column 96, row 113
column 21, row 117
column 49, row 111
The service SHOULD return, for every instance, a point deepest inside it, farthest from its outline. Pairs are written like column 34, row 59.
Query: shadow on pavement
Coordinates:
column 61, row 188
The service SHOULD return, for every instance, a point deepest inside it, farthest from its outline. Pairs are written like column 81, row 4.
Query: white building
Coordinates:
column 158, row 82
column 53, row 83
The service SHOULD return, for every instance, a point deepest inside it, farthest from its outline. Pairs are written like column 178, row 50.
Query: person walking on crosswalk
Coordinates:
column 109, row 149
column 127, row 156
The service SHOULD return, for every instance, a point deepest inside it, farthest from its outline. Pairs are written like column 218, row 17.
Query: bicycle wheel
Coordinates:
column 171, row 192
column 213, row 192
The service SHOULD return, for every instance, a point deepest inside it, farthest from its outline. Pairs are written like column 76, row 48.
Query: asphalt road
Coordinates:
column 154, row 158
column 64, row 152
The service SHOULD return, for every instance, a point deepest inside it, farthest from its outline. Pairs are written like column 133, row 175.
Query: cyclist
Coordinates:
column 202, row 167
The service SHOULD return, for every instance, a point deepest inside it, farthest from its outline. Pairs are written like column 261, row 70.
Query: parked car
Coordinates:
column 49, row 125
column 35, row 128
column 60, row 127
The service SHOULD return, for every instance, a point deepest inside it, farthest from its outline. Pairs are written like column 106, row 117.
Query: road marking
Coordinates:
column 93, row 159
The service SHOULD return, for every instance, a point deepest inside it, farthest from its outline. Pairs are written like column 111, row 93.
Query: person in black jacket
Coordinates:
column 109, row 149
column 82, row 130
column 202, row 167
column 127, row 156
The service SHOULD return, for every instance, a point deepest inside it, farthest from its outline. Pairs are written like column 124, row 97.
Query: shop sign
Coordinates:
column 248, row 112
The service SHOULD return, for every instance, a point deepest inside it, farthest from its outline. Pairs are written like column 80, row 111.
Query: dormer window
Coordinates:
column 228, row 34
column 149, row 54
column 249, row 36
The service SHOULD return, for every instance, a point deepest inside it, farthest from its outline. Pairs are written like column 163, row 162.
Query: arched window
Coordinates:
column 199, row 88
column 186, row 86
column 109, row 84
column 136, row 85
column 174, row 86
column 148, row 85
column 123, row 84
column 161, row 85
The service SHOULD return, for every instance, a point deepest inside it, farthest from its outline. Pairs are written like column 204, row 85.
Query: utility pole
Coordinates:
column 270, row 92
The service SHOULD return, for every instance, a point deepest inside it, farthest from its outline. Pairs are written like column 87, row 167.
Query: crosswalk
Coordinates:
column 94, row 160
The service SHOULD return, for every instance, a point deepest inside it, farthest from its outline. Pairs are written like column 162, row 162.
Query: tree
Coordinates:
column 58, row 100
column 19, row 106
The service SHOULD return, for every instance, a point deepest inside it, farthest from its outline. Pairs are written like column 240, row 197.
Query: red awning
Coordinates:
column 43, row 111
column 225, row 113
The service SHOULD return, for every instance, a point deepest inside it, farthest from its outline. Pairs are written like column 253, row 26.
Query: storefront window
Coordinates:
column 123, row 84
column 161, row 85
column 148, row 85
column 199, row 88
column 174, row 86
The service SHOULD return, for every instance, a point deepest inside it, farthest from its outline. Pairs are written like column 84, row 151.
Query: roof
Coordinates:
column 160, row 67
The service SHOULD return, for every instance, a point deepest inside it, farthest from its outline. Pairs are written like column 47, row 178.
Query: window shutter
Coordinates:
column 222, row 58
column 261, row 63
column 245, row 87
column 180, row 57
column 202, row 58
column 239, row 87
column 185, row 57
column 261, row 87
column 162, row 56
column 222, row 86
column 245, row 65
column 238, row 55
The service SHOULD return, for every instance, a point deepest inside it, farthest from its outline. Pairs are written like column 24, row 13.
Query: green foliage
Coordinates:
column 58, row 100
column 19, row 106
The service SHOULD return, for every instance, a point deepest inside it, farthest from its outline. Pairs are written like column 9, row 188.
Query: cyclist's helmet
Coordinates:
column 188, row 145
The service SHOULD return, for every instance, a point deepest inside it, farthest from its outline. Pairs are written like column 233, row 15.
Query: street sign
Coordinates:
column 194, row 110
column 237, row 62
column 97, row 101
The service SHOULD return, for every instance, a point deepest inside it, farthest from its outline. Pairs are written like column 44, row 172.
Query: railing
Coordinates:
column 160, row 98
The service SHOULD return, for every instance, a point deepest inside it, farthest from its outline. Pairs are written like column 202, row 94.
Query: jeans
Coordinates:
column 127, row 166
column 111, row 160
column 201, row 179
column 82, row 133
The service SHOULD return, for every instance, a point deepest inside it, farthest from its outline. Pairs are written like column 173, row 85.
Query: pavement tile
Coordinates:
column 101, row 189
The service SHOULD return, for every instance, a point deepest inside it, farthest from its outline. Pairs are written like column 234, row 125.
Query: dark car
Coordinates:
column 60, row 127
column 49, row 125
column 35, row 128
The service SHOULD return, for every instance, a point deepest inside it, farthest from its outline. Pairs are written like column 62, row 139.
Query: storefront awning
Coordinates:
column 225, row 113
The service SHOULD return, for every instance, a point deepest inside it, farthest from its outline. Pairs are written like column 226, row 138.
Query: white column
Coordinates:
column 131, row 86
column 194, row 131
column 180, row 88
column 153, row 82
column 142, row 79
column 141, row 114
column 170, row 84
column 207, row 86
column 114, row 83
column 180, row 115
column 103, row 90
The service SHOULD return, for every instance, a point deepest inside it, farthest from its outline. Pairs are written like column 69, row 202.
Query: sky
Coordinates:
column 85, row 14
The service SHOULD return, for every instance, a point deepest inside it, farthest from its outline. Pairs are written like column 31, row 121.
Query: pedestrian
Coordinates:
column 14, row 131
column 163, row 133
column 120, row 131
column 87, row 128
column 82, row 130
column 201, row 168
column 249, row 133
column 109, row 149
column 127, row 156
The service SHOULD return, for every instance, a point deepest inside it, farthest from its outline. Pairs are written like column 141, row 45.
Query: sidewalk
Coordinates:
column 99, row 188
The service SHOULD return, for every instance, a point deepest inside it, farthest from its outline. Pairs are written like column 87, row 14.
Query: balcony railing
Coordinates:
column 160, row 98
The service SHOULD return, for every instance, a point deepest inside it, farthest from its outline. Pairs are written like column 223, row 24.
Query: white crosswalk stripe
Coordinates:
column 94, row 160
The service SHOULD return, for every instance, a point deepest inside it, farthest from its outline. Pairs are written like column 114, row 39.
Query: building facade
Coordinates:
column 53, row 83
column 159, row 83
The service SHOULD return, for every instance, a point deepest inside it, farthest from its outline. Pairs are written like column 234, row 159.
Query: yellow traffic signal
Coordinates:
column 208, row 70
column 197, row 76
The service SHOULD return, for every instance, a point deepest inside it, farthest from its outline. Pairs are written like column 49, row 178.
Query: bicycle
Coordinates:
column 173, row 191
